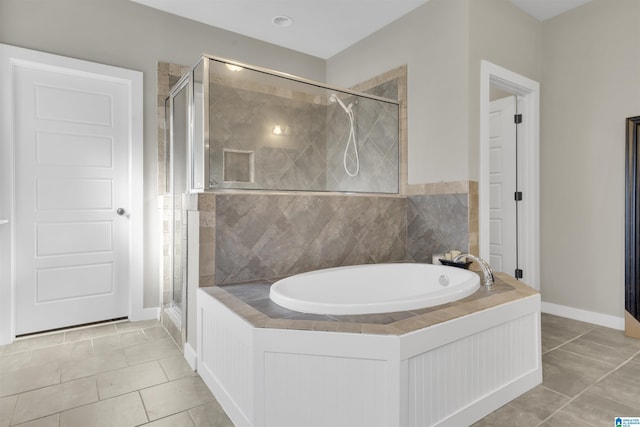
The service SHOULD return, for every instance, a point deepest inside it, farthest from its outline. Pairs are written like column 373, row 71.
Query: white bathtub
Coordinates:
column 373, row 288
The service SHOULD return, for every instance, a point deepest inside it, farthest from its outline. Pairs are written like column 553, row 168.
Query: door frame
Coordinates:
column 528, row 92
column 10, row 56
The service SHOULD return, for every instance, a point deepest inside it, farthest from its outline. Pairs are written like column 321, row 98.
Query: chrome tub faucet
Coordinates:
column 487, row 271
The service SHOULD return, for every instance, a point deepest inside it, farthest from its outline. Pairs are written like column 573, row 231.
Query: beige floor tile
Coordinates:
column 571, row 326
column 622, row 386
column 6, row 409
column 176, row 367
column 507, row 416
column 540, row 402
column 50, row 421
column 14, row 361
column 210, row 415
column 108, row 344
column 63, row 353
column 125, row 380
column 612, row 338
column 53, row 399
column 26, row 344
column 122, row 411
column 151, row 351
column 175, row 396
column 561, row 419
column 156, row 333
column 93, row 365
column 598, row 410
column 181, row 419
column 90, row 332
column 603, row 353
column 22, row 380
column 133, row 326
column 569, row 374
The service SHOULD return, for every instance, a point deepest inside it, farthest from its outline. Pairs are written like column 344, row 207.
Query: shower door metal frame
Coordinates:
column 185, row 81
column 205, row 93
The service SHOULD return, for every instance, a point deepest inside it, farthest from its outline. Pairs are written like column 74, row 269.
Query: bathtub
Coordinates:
column 373, row 288
column 449, row 365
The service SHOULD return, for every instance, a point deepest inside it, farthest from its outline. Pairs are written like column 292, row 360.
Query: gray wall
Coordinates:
column 443, row 42
column 503, row 34
column 590, row 84
column 129, row 35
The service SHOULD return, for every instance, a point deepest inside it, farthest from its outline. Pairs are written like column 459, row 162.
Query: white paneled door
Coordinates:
column 502, row 185
column 72, row 202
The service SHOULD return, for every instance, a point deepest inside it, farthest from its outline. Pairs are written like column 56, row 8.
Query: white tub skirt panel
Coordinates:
column 452, row 373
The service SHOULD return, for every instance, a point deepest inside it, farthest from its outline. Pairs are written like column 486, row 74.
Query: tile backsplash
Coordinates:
column 274, row 235
column 249, row 236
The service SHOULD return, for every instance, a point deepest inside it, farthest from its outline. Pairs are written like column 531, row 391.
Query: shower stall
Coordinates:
column 236, row 127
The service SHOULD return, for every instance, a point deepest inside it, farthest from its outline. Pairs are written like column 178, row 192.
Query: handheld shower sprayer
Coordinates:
column 352, row 135
column 334, row 98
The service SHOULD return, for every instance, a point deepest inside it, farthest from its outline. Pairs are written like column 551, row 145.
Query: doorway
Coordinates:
column 524, row 216
column 503, row 183
column 71, row 193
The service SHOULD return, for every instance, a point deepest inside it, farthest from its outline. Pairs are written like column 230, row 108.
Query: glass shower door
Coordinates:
column 179, row 138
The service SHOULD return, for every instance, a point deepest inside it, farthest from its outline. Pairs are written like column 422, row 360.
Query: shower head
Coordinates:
column 334, row 98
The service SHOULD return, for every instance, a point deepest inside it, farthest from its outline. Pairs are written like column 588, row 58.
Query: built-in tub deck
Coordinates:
column 251, row 302
column 446, row 365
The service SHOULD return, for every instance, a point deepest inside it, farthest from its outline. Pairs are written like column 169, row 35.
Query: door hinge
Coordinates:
column 518, row 273
column 517, row 196
column 517, row 119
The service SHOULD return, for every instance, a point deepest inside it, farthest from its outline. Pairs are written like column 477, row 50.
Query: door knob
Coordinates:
column 120, row 211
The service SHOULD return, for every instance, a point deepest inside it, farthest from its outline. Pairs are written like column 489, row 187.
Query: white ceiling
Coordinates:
column 321, row 28
column 545, row 9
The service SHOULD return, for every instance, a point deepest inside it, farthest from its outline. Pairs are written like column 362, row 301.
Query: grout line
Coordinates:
column 567, row 342
column 193, row 420
column 146, row 413
column 588, row 388
column 13, row 411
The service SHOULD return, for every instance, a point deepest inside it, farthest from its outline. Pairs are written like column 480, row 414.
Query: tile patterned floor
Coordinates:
column 591, row 374
column 120, row 375
column 131, row 374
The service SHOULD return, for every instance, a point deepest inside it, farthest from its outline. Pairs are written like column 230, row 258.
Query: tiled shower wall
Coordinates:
column 376, row 133
column 242, row 120
column 309, row 155
column 250, row 236
column 260, row 236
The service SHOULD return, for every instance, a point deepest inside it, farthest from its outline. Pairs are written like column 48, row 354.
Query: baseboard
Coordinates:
column 191, row 356
column 600, row 319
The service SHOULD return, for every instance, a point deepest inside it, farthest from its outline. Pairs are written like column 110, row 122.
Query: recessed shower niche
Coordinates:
column 238, row 165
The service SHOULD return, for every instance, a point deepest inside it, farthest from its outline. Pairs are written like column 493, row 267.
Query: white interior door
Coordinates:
column 502, row 185
column 72, row 134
